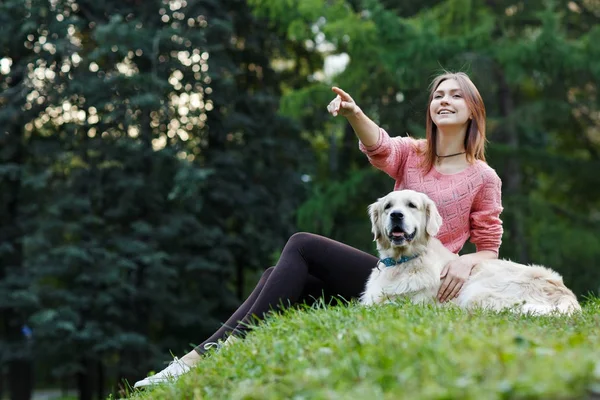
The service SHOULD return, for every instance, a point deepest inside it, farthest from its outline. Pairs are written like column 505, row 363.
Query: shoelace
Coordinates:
column 210, row 345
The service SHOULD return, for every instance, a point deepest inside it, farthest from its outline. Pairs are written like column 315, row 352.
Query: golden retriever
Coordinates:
column 405, row 223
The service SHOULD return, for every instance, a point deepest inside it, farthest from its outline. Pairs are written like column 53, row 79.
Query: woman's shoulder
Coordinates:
column 489, row 174
column 409, row 139
column 415, row 144
column 408, row 146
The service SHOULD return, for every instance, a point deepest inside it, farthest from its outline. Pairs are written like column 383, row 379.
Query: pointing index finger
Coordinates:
column 345, row 96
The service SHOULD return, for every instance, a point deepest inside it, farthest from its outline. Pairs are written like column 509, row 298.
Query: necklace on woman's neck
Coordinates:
column 450, row 155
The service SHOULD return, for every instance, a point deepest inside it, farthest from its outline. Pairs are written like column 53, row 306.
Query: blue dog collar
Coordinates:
column 391, row 262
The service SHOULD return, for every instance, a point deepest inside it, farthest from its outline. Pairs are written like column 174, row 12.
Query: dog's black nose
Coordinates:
column 396, row 215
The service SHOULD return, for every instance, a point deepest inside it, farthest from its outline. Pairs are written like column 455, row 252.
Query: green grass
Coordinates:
column 402, row 351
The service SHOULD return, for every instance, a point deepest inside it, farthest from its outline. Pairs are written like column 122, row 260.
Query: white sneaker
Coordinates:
column 174, row 370
column 230, row 340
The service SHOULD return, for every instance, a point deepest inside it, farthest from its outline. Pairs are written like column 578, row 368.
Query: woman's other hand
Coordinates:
column 454, row 275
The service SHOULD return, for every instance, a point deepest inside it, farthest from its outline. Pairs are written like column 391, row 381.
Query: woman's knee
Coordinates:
column 302, row 240
column 266, row 273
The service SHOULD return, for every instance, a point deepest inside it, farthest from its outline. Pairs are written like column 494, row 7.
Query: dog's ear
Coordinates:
column 433, row 218
column 374, row 214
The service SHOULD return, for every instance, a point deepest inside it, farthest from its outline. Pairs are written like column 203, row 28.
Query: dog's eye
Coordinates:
column 412, row 205
column 387, row 206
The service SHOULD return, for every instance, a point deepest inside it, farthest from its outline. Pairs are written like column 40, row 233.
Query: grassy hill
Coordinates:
column 402, row 351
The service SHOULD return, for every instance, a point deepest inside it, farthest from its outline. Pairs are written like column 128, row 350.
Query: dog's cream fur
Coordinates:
column 493, row 284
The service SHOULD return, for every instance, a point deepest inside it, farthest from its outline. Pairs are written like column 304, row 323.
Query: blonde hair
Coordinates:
column 475, row 137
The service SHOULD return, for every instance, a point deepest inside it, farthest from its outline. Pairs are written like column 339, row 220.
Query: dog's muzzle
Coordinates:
column 397, row 233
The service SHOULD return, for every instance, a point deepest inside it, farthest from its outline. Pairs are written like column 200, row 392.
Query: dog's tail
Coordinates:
column 562, row 297
column 568, row 304
column 549, row 295
column 559, row 299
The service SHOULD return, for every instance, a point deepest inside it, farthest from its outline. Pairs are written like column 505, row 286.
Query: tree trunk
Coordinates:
column 239, row 279
column 349, row 146
column 131, row 359
column 333, row 156
column 12, row 152
column 512, row 177
column 20, row 378
column 20, row 367
column 84, row 381
column 100, row 381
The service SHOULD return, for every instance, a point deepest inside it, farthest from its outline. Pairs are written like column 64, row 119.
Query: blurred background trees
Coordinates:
column 155, row 156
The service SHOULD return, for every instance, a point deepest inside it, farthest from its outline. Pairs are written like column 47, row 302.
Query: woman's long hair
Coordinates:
column 475, row 137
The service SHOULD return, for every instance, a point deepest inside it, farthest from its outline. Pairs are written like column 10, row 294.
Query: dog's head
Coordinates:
column 404, row 220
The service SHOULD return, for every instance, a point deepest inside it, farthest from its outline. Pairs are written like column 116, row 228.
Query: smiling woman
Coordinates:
column 449, row 166
column 465, row 189
column 454, row 103
column 452, row 155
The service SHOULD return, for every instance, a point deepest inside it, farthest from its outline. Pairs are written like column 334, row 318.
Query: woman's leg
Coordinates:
column 312, row 289
column 242, row 310
column 309, row 266
column 343, row 271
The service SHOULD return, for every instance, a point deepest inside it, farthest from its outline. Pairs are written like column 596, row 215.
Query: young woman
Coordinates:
column 449, row 166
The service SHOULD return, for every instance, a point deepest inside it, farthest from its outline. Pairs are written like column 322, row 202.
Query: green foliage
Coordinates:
column 146, row 169
column 401, row 351
column 538, row 75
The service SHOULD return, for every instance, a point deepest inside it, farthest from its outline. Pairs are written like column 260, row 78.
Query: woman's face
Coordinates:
column 448, row 106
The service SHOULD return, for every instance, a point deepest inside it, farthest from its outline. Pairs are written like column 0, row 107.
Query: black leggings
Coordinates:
column 310, row 266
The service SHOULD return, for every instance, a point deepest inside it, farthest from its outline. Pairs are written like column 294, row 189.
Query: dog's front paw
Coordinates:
column 366, row 301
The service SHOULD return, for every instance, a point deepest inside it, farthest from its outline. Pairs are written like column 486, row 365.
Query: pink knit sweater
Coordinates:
column 468, row 201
